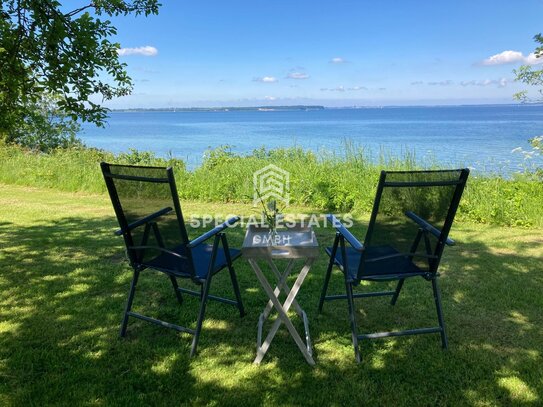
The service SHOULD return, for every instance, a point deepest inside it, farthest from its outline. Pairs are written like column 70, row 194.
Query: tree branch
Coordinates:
column 79, row 10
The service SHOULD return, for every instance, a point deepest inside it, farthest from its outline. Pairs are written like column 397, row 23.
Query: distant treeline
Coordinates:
column 220, row 109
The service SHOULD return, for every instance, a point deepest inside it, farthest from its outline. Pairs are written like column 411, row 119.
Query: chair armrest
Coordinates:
column 213, row 232
column 162, row 249
column 143, row 221
column 353, row 241
column 428, row 227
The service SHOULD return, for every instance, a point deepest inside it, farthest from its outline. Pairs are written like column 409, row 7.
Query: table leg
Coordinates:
column 282, row 311
column 281, row 281
column 282, row 285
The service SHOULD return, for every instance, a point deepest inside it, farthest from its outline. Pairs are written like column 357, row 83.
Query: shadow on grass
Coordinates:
column 64, row 286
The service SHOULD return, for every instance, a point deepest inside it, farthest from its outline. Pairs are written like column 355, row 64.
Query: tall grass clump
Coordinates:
column 507, row 202
column 324, row 181
column 73, row 169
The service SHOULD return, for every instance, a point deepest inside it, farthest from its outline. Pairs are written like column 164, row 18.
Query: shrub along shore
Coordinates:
column 325, row 182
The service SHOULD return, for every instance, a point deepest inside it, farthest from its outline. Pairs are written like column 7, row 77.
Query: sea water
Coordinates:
column 480, row 137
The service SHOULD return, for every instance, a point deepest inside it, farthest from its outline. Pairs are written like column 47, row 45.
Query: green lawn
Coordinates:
column 64, row 281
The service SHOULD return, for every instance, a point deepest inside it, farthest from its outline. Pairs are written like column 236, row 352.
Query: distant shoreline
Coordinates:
column 222, row 109
column 307, row 107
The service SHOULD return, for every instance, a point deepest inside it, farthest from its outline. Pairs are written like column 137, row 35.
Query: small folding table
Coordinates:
column 291, row 244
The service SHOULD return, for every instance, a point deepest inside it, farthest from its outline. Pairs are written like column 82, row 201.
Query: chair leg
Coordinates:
column 124, row 323
column 234, row 279
column 233, row 276
column 397, row 293
column 176, row 289
column 326, row 282
column 350, row 301
column 203, row 303
column 437, row 299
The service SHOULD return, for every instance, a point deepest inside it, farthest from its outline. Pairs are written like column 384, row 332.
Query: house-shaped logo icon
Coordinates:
column 271, row 182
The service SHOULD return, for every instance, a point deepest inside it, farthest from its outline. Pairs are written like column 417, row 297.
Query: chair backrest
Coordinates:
column 413, row 212
column 140, row 196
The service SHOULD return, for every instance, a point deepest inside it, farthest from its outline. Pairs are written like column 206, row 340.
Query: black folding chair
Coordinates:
column 408, row 230
column 147, row 206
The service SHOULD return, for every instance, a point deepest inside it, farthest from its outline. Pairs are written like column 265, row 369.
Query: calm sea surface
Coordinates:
column 480, row 137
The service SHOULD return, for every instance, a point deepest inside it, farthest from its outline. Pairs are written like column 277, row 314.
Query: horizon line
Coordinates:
column 320, row 107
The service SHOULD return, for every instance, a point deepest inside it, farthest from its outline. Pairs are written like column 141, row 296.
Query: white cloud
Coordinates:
column 505, row 57
column 266, row 79
column 147, row 51
column 417, row 83
column 270, row 98
column 297, row 75
column 500, row 83
column 533, row 60
column 343, row 89
column 336, row 89
column 441, row 83
column 337, row 60
column 511, row 57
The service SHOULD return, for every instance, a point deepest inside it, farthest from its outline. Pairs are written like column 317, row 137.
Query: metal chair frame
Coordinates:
column 150, row 224
column 426, row 231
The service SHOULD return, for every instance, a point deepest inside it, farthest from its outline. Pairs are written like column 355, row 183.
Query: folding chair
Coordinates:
column 147, row 206
column 409, row 226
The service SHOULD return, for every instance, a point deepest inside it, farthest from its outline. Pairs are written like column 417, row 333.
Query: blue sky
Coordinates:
column 340, row 53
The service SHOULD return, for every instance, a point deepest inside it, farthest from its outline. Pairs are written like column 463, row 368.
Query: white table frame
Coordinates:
column 282, row 310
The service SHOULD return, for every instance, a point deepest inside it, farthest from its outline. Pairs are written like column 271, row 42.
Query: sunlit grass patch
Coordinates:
column 518, row 390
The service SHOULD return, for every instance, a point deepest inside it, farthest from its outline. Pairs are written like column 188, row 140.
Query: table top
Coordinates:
column 291, row 243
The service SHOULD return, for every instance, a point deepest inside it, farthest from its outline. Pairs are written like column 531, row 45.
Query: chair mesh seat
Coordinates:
column 385, row 269
column 201, row 259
